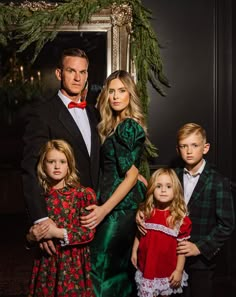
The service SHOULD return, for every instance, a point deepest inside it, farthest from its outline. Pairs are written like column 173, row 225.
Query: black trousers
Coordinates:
column 200, row 283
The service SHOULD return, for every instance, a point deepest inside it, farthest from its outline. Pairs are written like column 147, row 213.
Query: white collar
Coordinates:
column 200, row 170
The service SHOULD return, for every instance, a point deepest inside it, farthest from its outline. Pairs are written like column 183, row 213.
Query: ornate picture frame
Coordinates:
column 116, row 22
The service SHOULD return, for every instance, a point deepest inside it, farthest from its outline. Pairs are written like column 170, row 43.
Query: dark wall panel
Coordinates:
column 194, row 54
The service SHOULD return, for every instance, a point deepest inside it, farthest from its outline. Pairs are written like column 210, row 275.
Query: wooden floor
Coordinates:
column 16, row 261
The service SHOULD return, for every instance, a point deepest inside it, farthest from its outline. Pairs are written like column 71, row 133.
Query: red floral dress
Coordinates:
column 67, row 273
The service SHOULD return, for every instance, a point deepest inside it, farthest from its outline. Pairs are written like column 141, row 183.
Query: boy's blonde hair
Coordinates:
column 189, row 129
column 109, row 121
column 178, row 208
column 71, row 179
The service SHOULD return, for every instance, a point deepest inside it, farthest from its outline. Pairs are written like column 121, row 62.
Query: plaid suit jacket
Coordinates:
column 211, row 211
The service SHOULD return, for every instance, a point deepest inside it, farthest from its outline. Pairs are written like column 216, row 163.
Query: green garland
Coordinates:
column 30, row 28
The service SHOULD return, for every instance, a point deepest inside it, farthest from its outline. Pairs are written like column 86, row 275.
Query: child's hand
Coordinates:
column 53, row 232
column 134, row 259
column 37, row 232
column 175, row 278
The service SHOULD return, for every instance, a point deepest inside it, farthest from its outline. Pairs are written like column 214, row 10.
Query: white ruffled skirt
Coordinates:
column 157, row 286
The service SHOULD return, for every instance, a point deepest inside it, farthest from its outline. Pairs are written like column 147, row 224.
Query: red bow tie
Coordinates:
column 73, row 104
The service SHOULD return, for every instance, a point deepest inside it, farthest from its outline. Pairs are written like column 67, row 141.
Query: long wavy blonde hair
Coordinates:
column 178, row 208
column 109, row 119
column 71, row 179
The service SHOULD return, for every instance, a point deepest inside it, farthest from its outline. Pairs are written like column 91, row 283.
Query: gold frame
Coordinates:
column 115, row 21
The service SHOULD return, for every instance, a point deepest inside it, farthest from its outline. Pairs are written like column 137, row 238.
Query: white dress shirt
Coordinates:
column 190, row 181
column 81, row 119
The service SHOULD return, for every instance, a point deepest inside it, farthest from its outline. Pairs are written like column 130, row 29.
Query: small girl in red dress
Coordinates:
column 160, row 271
column 65, row 273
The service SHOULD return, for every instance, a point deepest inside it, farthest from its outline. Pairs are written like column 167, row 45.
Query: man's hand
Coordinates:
column 187, row 248
column 48, row 246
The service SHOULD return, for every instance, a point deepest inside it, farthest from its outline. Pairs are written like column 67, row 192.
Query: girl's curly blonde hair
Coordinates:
column 71, row 179
column 178, row 208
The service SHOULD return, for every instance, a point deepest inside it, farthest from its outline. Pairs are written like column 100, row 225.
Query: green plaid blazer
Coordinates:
column 211, row 211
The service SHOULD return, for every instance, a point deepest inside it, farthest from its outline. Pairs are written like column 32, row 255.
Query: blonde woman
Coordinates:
column 122, row 131
column 160, row 272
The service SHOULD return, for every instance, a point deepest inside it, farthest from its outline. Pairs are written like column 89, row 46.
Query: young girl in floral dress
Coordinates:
column 160, row 272
column 65, row 273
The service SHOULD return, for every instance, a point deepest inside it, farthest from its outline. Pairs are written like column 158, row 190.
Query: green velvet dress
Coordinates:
column 112, row 272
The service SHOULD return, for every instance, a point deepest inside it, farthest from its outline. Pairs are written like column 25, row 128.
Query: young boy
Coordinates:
column 210, row 204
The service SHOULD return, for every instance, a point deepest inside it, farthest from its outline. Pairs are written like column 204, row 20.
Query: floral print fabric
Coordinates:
column 66, row 273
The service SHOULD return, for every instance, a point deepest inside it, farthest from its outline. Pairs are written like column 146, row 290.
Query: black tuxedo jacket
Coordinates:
column 52, row 120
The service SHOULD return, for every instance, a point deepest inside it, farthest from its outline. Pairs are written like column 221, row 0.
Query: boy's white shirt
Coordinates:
column 190, row 181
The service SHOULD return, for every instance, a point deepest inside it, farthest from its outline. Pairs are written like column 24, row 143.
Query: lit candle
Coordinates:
column 31, row 80
column 39, row 75
column 22, row 72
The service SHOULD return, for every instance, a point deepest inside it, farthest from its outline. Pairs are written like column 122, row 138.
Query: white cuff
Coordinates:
column 65, row 241
column 40, row 220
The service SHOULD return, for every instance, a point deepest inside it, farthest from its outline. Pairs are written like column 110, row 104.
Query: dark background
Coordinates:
column 198, row 50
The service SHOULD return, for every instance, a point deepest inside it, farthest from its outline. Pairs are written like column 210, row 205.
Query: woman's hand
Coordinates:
column 38, row 232
column 140, row 222
column 95, row 217
column 142, row 179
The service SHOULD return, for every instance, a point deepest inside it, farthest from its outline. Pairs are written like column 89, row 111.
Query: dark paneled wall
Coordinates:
column 196, row 49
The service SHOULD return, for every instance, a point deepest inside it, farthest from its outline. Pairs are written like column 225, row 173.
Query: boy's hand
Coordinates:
column 187, row 248
column 140, row 222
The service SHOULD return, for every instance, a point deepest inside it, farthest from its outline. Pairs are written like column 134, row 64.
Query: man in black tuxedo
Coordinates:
column 61, row 118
